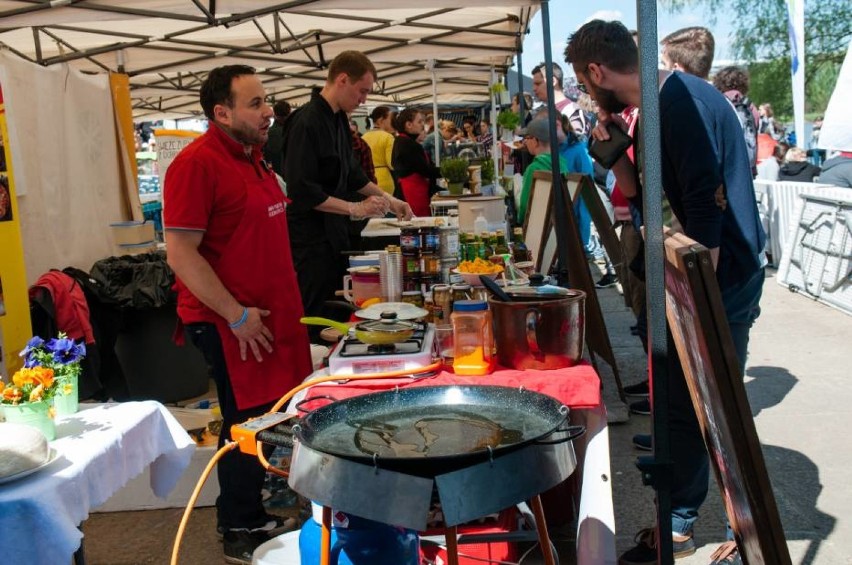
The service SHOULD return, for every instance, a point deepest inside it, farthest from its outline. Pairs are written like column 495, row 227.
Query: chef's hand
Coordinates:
column 400, row 208
column 373, row 207
column 254, row 334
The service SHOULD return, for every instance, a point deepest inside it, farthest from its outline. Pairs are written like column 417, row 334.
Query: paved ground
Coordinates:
column 798, row 382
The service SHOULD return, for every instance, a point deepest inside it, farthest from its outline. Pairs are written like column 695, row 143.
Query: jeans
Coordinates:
column 241, row 477
column 691, row 465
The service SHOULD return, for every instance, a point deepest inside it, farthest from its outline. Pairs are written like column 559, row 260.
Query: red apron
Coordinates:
column 415, row 189
column 257, row 269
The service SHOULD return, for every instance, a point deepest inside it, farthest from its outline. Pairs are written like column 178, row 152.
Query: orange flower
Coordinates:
column 12, row 395
column 34, row 376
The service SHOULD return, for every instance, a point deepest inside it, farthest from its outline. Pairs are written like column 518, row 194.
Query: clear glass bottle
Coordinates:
column 472, row 338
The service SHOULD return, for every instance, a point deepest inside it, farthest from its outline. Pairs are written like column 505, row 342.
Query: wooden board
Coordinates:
column 579, row 275
column 703, row 340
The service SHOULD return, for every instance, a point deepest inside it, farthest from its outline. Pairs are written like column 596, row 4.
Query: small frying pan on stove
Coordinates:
column 385, row 331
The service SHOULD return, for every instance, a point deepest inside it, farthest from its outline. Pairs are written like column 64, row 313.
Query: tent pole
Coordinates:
column 521, row 108
column 435, row 125
column 495, row 153
column 560, row 203
column 656, row 469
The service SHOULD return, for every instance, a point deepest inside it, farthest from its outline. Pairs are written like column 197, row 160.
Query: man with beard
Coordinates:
column 708, row 182
column 321, row 173
column 226, row 232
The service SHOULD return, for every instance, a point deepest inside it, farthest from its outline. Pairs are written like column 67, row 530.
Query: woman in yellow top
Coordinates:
column 380, row 139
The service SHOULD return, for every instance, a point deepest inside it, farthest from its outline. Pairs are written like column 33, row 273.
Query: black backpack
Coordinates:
column 743, row 107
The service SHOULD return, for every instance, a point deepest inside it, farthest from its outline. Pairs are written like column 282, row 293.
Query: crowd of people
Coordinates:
column 259, row 209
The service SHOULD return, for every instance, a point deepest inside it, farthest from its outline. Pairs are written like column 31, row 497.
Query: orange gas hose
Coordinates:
column 195, row 493
column 266, row 465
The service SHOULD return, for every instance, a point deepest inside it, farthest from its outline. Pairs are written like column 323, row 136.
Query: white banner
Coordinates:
column 796, row 31
column 836, row 132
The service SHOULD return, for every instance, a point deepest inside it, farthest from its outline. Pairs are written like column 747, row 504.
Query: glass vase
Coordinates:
column 66, row 398
column 35, row 414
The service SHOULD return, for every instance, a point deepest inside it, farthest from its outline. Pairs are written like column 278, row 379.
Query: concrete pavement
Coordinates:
column 799, row 384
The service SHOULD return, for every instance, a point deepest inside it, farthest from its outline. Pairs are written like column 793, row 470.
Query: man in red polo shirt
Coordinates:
column 228, row 243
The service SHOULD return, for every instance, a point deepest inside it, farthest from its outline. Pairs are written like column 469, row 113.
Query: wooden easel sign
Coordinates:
column 704, row 344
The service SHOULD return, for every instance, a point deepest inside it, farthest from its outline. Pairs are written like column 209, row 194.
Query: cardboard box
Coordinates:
column 130, row 233
column 137, row 493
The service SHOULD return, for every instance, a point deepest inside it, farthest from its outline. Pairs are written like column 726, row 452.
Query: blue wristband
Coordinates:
column 241, row 321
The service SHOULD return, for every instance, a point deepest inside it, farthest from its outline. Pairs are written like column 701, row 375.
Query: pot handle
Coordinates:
column 347, row 288
column 298, row 405
column 532, row 318
column 573, row 432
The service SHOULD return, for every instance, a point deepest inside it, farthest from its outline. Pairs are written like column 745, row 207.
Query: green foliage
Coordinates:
column 508, row 120
column 487, row 171
column 760, row 36
column 454, row 170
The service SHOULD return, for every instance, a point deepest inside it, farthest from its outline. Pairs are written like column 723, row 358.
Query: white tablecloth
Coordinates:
column 100, row 449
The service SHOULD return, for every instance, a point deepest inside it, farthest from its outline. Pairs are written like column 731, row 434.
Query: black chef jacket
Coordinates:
column 318, row 163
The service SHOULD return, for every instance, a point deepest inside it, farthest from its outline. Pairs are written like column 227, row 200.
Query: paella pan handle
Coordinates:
column 572, row 433
column 298, row 405
column 277, row 438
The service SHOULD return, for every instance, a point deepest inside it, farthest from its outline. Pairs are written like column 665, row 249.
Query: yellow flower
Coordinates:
column 37, row 393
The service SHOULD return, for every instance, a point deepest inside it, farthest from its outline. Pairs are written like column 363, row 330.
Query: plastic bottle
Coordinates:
column 480, row 224
column 473, row 341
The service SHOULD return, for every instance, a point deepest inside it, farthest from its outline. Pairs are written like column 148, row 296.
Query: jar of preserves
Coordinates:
column 409, row 241
column 442, row 303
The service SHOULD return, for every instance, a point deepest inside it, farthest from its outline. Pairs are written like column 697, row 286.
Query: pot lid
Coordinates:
column 403, row 311
column 387, row 324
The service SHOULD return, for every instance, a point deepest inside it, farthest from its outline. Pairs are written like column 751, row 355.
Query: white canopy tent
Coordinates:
column 167, row 46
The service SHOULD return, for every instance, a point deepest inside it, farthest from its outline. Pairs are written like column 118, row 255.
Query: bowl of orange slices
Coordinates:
column 470, row 271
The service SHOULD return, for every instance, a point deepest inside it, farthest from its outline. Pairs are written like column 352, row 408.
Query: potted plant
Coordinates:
column 508, row 121
column 500, row 93
column 47, row 384
column 455, row 171
column 487, row 171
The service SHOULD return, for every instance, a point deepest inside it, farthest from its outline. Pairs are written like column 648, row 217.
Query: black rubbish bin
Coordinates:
column 154, row 367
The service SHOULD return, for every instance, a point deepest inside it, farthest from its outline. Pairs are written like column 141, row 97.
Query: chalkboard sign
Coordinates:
column 703, row 340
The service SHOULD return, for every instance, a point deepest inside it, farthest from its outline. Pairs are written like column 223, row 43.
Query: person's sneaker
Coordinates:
column 275, row 526
column 645, row 551
column 726, row 554
column 643, row 442
column 239, row 545
column 607, row 281
column 642, row 407
column 639, row 389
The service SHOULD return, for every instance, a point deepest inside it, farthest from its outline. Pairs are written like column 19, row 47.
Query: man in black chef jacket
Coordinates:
column 320, row 170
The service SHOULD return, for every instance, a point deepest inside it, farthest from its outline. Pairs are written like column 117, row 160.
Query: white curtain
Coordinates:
column 65, row 159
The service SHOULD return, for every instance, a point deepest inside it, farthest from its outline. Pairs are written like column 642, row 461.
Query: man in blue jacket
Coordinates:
column 707, row 180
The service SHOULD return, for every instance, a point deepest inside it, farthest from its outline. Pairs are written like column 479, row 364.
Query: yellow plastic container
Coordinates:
column 473, row 340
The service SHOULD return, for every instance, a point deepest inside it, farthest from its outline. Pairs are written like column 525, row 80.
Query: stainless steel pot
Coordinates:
column 539, row 330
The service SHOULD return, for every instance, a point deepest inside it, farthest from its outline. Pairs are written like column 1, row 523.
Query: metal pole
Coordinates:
column 495, row 150
column 656, row 469
column 521, row 101
column 435, row 129
column 561, row 203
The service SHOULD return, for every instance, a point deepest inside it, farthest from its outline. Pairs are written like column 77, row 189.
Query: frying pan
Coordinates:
column 385, row 331
column 431, row 430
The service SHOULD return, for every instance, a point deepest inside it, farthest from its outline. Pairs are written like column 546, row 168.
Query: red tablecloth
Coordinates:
column 576, row 387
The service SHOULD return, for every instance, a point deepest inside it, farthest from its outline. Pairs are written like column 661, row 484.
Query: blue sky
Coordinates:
column 568, row 15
